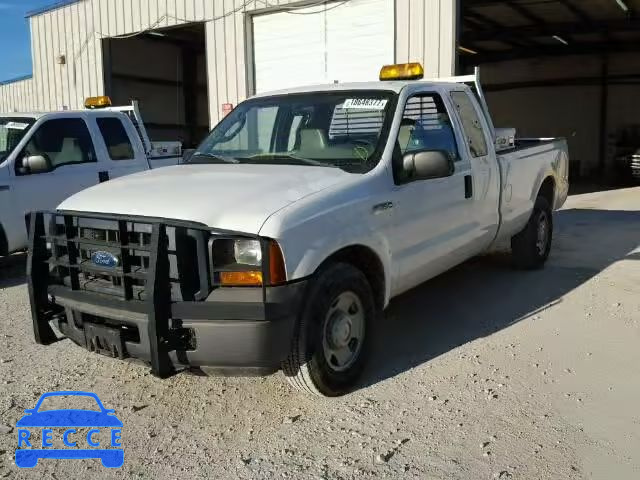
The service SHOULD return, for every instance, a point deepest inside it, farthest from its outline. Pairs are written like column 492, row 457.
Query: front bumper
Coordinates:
column 230, row 328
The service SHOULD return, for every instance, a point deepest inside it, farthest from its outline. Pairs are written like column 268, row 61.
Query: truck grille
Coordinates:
column 112, row 256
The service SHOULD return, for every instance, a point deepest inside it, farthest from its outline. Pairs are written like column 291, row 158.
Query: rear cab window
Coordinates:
column 471, row 124
column 115, row 138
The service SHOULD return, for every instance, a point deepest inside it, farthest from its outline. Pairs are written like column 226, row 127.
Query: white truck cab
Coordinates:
column 282, row 239
column 47, row 157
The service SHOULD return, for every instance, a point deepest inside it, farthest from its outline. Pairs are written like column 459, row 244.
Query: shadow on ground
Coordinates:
column 485, row 295
column 580, row 187
column 13, row 270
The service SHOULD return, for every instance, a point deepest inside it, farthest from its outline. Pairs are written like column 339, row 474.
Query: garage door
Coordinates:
column 346, row 42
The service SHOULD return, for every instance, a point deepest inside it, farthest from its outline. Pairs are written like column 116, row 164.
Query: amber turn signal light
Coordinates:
column 277, row 272
column 241, row 279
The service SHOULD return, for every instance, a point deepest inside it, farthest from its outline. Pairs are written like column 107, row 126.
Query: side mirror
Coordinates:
column 35, row 164
column 427, row 164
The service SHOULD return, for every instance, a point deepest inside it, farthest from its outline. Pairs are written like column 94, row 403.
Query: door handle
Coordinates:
column 468, row 186
column 103, row 176
column 382, row 207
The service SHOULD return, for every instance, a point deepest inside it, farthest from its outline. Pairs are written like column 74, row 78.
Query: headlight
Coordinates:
column 248, row 252
column 239, row 262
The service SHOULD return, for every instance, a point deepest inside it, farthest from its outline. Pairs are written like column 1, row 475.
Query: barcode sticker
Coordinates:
column 364, row 104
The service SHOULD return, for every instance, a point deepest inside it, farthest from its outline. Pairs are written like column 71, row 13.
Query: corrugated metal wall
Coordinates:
column 18, row 96
column 425, row 31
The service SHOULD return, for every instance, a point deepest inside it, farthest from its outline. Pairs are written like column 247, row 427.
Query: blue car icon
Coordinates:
column 70, row 418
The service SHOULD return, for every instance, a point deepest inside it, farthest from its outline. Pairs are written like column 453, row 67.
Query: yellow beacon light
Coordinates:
column 402, row 71
column 97, row 102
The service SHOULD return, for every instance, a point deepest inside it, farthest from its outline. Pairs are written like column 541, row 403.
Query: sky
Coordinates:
column 15, row 53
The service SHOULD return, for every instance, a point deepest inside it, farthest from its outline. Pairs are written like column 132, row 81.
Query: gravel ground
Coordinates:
column 481, row 373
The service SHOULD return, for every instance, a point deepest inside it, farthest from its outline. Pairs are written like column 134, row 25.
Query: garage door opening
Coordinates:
column 562, row 68
column 165, row 71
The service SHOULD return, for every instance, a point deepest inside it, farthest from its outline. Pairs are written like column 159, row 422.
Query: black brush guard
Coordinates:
column 141, row 286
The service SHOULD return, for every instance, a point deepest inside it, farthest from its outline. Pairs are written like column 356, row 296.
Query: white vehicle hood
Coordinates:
column 232, row 196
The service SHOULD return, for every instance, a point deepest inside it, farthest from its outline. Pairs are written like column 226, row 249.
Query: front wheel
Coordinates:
column 333, row 335
column 530, row 248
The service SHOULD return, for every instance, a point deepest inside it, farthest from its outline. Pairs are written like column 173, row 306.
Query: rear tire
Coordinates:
column 333, row 335
column 530, row 248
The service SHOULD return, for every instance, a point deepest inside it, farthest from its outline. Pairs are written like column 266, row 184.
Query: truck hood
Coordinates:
column 231, row 196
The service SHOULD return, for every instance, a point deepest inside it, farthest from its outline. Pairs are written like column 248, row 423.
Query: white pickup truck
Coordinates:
column 290, row 229
column 46, row 157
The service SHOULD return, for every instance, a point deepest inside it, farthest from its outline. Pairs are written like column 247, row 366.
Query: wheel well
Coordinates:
column 368, row 262
column 547, row 190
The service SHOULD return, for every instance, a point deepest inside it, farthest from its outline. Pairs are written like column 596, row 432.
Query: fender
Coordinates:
column 312, row 230
column 314, row 258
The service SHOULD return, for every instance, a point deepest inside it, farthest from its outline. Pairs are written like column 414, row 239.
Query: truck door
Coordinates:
column 483, row 188
column 433, row 224
column 122, row 154
column 57, row 161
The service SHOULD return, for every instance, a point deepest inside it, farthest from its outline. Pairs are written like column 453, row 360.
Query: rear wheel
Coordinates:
column 530, row 248
column 332, row 338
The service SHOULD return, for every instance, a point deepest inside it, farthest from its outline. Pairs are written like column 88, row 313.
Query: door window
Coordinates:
column 61, row 142
column 471, row 124
column 426, row 125
column 116, row 139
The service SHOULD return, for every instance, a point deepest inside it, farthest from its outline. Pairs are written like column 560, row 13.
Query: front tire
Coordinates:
column 333, row 335
column 530, row 248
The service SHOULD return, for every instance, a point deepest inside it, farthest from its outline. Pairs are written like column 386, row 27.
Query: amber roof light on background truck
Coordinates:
column 97, row 102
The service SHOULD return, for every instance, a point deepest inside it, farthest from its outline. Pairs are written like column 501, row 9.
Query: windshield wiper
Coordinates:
column 287, row 159
column 211, row 156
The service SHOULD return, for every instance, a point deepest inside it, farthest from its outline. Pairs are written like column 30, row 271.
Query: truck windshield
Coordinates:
column 12, row 130
column 346, row 129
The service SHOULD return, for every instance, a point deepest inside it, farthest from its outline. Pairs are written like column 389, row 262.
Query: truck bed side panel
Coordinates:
column 523, row 171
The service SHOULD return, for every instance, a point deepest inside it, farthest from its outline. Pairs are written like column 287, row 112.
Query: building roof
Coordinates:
column 49, row 7
column 16, row 79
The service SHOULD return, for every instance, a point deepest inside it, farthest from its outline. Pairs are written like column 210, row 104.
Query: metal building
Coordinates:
column 554, row 67
column 186, row 60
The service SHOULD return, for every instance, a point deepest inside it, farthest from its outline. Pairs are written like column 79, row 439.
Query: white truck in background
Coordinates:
column 286, row 234
column 46, row 157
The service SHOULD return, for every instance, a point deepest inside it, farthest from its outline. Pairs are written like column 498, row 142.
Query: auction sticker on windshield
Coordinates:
column 365, row 103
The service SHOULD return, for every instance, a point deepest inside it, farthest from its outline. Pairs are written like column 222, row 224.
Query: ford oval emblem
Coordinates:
column 104, row 259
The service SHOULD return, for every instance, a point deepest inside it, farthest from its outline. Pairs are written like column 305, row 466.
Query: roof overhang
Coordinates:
column 50, row 7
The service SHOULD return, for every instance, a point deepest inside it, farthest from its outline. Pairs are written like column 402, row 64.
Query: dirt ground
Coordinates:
column 482, row 373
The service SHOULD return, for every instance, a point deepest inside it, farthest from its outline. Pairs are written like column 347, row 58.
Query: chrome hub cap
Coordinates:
column 343, row 331
column 543, row 233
